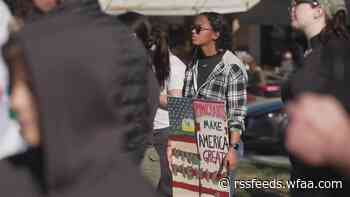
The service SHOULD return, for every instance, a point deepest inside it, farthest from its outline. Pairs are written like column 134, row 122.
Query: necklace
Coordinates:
column 203, row 65
column 307, row 52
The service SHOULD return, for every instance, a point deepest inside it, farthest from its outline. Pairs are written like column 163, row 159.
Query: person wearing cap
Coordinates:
column 324, row 24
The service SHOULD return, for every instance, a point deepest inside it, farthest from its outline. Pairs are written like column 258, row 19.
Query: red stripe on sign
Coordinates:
column 186, row 186
column 202, row 190
column 184, row 139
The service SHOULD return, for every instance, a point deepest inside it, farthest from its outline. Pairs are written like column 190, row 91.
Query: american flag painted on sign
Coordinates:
column 181, row 114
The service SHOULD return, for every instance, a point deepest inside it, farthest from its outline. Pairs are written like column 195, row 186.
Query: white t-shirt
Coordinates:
column 11, row 141
column 175, row 81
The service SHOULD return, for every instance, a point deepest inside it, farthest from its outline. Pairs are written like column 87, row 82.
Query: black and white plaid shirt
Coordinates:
column 227, row 82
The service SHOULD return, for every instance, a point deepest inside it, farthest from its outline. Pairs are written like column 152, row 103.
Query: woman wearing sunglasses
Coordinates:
column 217, row 74
column 323, row 23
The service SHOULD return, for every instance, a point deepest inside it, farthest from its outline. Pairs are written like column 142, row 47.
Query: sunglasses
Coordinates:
column 198, row 28
column 295, row 3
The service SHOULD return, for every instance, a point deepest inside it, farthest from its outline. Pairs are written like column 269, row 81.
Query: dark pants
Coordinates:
column 160, row 142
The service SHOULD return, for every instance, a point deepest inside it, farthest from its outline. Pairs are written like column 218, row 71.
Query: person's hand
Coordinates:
column 169, row 154
column 231, row 159
column 319, row 130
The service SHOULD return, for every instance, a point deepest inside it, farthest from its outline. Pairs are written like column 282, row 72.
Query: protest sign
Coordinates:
column 198, row 148
column 213, row 143
column 184, row 154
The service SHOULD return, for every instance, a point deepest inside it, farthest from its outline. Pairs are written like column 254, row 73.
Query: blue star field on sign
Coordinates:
column 179, row 109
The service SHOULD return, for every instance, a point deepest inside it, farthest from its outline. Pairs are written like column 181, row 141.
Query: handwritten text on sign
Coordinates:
column 212, row 140
column 211, row 131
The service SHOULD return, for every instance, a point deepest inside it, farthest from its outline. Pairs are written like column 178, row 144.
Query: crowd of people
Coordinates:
column 88, row 103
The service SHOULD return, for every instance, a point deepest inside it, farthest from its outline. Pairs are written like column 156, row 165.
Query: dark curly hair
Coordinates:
column 218, row 23
column 223, row 43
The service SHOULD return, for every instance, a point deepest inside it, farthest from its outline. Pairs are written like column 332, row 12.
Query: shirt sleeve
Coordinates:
column 177, row 74
column 236, row 99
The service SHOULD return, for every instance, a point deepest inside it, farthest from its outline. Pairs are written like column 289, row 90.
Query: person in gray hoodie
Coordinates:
column 85, row 105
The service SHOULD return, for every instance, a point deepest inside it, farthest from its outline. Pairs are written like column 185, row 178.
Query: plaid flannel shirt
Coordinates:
column 227, row 82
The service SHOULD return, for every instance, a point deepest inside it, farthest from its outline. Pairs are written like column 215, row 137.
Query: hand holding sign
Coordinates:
column 169, row 154
column 231, row 159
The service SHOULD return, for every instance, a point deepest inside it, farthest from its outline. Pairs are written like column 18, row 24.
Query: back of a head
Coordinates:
column 140, row 25
column 161, row 55
column 155, row 40
column 88, row 99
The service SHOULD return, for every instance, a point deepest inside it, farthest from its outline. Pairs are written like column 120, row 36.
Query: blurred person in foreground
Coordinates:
column 83, row 103
column 10, row 140
column 217, row 74
column 320, row 116
column 323, row 72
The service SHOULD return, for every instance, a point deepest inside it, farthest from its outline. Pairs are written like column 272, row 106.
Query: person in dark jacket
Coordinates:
column 83, row 101
column 323, row 23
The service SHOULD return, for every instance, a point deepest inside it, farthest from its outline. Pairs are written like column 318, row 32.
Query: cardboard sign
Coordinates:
column 185, row 167
column 213, row 143
column 199, row 144
column 184, row 153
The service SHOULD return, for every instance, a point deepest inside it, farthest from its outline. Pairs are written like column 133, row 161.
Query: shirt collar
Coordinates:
column 315, row 42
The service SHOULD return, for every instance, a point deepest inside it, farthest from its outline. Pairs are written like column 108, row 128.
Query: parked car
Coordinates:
column 271, row 90
column 266, row 121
